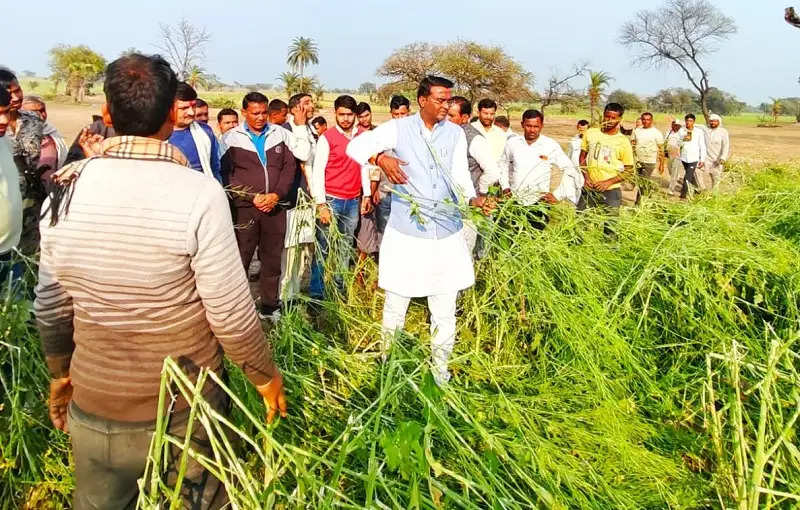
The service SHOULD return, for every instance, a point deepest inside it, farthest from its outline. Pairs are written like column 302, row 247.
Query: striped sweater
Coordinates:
column 143, row 265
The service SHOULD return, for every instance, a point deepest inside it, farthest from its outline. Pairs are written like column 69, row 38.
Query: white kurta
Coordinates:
column 526, row 170
column 412, row 266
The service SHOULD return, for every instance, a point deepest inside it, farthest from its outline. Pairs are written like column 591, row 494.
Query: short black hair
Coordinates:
column 502, row 120
column 487, row 104
column 397, row 101
column 185, row 92
column 362, row 107
column 319, row 120
column 5, row 97
column 648, row 114
column 427, row 83
column 226, row 111
column 583, row 122
column 295, row 99
column 464, row 105
column 140, row 91
column 254, row 97
column 7, row 77
column 345, row 101
column 690, row 116
column 277, row 105
column 532, row 114
column 615, row 107
column 200, row 103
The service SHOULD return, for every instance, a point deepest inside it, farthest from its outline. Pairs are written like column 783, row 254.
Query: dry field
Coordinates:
column 748, row 141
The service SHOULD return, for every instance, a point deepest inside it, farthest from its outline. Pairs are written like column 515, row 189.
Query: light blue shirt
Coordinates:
column 259, row 141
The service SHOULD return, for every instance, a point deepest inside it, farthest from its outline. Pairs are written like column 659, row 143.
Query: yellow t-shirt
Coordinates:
column 607, row 155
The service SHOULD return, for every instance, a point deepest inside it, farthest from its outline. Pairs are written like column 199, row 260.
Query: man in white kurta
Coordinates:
column 530, row 162
column 423, row 253
column 718, row 147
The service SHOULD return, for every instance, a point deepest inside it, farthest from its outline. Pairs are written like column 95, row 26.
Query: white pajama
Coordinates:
column 443, row 327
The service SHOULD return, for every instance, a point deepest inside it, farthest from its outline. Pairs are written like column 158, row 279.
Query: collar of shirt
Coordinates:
column 424, row 129
column 352, row 134
column 259, row 141
column 125, row 147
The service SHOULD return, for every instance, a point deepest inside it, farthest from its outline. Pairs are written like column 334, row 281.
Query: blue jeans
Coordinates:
column 12, row 270
column 344, row 214
column 382, row 212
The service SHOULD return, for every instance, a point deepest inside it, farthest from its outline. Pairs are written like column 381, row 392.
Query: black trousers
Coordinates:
column 267, row 232
column 110, row 456
column 691, row 176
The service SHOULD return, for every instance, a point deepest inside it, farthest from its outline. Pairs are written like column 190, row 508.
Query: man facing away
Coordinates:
column 649, row 143
column 606, row 160
column 502, row 122
column 320, row 125
column 574, row 150
column 340, row 187
column 196, row 140
column 718, row 147
column 278, row 112
column 529, row 163
column 485, row 125
column 259, row 164
column 107, row 322
column 693, row 154
column 423, row 253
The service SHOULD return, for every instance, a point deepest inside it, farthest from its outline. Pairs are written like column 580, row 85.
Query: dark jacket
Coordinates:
column 97, row 127
column 242, row 168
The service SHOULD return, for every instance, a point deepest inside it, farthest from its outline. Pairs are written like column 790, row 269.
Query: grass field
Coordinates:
column 656, row 371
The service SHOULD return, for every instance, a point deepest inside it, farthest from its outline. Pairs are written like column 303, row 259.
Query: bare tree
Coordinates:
column 681, row 32
column 558, row 87
column 183, row 46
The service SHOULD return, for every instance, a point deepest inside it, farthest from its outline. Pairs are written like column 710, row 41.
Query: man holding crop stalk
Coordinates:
column 535, row 169
column 139, row 263
column 423, row 253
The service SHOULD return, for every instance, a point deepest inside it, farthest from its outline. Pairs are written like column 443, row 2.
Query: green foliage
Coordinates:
column 629, row 100
column 477, row 70
column 77, row 66
column 589, row 373
column 302, row 52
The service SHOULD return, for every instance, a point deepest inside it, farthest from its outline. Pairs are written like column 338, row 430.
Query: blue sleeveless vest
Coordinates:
column 432, row 211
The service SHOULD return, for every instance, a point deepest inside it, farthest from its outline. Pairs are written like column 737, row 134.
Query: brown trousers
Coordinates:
column 267, row 232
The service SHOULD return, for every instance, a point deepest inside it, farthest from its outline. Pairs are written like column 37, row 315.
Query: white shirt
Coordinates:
column 480, row 149
column 694, row 150
column 575, row 150
column 10, row 200
column 321, row 154
column 496, row 136
column 526, row 169
column 414, row 266
column 648, row 141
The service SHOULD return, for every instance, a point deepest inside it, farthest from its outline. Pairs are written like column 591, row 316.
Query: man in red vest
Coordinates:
column 340, row 187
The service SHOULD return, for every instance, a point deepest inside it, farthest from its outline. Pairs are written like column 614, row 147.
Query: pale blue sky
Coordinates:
column 250, row 38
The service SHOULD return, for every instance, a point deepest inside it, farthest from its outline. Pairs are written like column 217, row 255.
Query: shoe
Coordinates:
column 273, row 313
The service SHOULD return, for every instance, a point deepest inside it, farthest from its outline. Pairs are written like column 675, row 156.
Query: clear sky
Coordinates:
column 250, row 38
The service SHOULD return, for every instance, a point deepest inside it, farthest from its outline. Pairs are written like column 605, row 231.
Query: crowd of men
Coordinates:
column 146, row 226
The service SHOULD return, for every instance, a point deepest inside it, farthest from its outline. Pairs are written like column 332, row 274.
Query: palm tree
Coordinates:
column 289, row 81
column 196, row 77
column 597, row 83
column 302, row 52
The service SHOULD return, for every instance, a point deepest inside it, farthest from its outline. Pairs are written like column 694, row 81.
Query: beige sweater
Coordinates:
column 143, row 266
